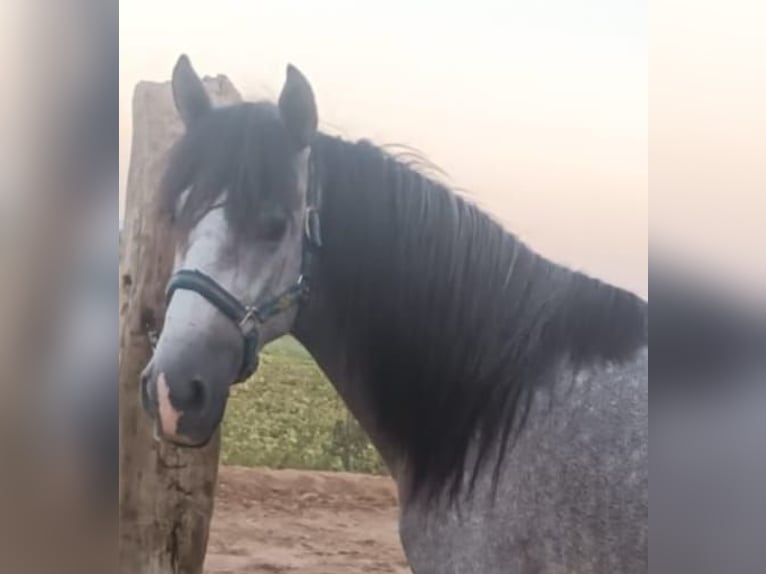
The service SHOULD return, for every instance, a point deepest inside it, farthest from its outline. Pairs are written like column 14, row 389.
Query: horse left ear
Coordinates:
column 191, row 99
column 298, row 108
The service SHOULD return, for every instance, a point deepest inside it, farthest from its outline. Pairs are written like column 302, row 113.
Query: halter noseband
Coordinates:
column 249, row 318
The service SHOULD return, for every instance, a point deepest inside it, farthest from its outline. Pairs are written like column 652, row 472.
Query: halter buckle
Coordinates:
column 249, row 321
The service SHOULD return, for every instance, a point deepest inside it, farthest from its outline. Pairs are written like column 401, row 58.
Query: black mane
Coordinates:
column 454, row 320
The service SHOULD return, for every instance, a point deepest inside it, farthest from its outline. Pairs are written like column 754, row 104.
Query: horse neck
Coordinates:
column 418, row 301
column 319, row 331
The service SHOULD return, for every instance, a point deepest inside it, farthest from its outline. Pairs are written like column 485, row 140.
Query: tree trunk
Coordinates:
column 166, row 493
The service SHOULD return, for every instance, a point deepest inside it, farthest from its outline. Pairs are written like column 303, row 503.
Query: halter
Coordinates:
column 249, row 318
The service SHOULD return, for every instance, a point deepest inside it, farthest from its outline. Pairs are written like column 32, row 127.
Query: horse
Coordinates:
column 507, row 394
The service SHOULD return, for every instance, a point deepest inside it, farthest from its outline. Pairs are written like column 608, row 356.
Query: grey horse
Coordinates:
column 507, row 394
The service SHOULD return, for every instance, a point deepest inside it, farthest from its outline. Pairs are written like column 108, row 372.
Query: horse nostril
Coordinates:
column 197, row 400
column 192, row 397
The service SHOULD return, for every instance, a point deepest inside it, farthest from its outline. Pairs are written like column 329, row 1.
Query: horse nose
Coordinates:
column 170, row 399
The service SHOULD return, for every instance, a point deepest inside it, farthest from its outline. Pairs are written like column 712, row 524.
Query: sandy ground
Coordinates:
column 289, row 521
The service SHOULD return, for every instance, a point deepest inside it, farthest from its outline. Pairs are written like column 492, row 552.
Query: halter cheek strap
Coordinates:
column 250, row 318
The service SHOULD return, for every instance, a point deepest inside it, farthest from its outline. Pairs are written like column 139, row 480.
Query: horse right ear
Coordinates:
column 298, row 107
column 191, row 99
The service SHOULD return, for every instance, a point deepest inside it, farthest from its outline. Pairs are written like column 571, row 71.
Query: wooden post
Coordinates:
column 166, row 493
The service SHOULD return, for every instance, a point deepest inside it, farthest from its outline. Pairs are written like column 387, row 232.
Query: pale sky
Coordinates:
column 538, row 109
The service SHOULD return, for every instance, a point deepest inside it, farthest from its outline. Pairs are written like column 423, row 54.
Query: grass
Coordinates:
column 288, row 415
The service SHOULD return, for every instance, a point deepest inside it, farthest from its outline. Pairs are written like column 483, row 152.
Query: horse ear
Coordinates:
column 298, row 108
column 191, row 99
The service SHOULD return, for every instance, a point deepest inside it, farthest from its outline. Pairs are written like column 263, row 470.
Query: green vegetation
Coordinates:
column 288, row 415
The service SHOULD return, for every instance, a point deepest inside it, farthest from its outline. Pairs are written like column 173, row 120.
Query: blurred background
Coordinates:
column 707, row 85
column 58, row 251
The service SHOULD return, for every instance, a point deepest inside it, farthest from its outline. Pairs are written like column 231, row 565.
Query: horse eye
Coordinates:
column 272, row 226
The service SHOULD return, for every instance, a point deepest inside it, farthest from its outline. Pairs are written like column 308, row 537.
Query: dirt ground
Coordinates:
column 287, row 521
